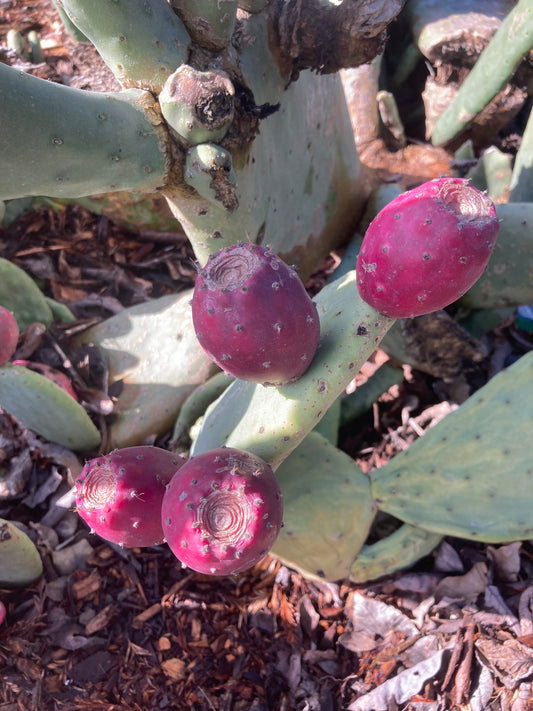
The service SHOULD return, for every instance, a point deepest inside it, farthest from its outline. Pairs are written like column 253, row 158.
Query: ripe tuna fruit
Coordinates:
column 426, row 248
column 253, row 316
column 222, row 512
column 119, row 495
column 9, row 334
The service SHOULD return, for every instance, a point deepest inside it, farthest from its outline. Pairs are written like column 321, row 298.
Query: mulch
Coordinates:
column 130, row 630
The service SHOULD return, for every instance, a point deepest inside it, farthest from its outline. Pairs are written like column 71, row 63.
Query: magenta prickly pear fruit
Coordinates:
column 426, row 248
column 253, row 316
column 9, row 334
column 119, row 495
column 222, row 512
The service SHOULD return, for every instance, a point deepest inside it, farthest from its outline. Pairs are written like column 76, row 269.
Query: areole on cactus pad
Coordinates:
column 222, row 512
column 253, row 316
column 426, row 248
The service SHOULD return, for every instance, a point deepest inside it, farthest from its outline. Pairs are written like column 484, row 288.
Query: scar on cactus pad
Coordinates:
column 426, row 248
column 120, row 495
column 222, row 512
column 9, row 334
column 253, row 316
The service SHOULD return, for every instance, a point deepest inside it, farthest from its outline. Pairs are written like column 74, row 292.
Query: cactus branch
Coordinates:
column 327, row 36
column 65, row 142
column 492, row 71
column 141, row 42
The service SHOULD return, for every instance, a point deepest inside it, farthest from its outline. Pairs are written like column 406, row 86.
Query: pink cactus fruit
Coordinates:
column 120, row 494
column 9, row 334
column 426, row 248
column 253, row 316
column 222, row 512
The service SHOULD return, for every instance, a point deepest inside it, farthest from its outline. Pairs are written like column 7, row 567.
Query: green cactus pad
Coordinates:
column 64, row 142
column 45, row 408
column 327, row 507
column 471, row 475
column 272, row 421
column 508, row 278
column 153, row 354
column 210, row 24
column 141, row 42
column 21, row 295
column 20, row 562
column 398, row 551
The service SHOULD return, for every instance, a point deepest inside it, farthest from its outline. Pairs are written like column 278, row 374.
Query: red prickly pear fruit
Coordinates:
column 223, row 511
column 56, row 376
column 253, row 316
column 120, row 494
column 9, row 334
column 426, row 248
column 2, row 612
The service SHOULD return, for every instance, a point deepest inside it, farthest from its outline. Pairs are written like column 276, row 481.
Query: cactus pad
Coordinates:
column 328, row 510
column 470, row 475
column 20, row 562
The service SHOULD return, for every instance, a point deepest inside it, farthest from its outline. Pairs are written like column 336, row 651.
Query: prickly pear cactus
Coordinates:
column 469, row 476
column 21, row 295
column 328, row 510
column 151, row 350
column 20, row 562
column 271, row 422
column 120, row 495
column 253, row 316
column 222, row 512
column 45, row 407
column 426, row 248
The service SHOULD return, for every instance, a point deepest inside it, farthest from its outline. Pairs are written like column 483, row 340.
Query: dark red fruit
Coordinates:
column 119, row 495
column 9, row 334
column 253, row 316
column 222, row 512
column 426, row 248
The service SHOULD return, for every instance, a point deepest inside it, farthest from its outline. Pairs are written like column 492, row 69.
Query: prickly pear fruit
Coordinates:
column 426, row 248
column 253, row 316
column 119, row 495
column 9, row 334
column 223, row 511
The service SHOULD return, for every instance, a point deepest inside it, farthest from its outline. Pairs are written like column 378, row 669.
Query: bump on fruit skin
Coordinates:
column 223, row 511
column 9, row 334
column 426, row 248
column 253, row 316
column 119, row 495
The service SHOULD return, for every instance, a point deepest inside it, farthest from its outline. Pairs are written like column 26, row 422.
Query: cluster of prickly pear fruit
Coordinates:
column 426, row 248
column 9, row 334
column 223, row 511
column 253, row 316
column 220, row 512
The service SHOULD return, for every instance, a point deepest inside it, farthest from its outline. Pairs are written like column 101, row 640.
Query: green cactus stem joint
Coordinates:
column 199, row 106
